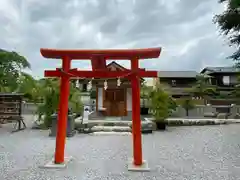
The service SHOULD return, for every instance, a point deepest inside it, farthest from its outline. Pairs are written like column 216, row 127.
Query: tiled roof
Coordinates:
column 221, row 69
column 113, row 63
column 177, row 74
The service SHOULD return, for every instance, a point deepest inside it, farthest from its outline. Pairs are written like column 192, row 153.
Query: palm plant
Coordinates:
column 50, row 92
column 159, row 106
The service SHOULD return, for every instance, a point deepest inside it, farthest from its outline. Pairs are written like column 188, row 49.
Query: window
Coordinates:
column 226, row 80
column 173, row 82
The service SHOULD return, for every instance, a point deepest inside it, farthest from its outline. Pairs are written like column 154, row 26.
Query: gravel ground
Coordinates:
column 192, row 153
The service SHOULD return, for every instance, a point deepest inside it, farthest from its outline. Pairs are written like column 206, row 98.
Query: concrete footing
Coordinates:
column 53, row 165
column 142, row 168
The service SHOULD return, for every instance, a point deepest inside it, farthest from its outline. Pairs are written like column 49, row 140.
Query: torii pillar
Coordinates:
column 98, row 59
column 136, row 120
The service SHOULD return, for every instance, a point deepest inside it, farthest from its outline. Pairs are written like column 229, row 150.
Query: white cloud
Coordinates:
column 184, row 29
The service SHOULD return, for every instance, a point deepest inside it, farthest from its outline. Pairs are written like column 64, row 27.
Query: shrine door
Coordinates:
column 115, row 102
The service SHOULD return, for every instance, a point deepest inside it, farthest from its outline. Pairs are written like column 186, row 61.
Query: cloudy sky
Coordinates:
column 183, row 28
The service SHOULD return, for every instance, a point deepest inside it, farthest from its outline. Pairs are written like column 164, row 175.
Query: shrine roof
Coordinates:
column 115, row 64
column 111, row 54
column 112, row 66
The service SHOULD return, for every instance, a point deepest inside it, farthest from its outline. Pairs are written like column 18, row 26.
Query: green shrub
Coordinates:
column 93, row 94
column 159, row 104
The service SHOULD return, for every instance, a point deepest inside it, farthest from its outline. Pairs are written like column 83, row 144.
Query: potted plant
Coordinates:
column 49, row 91
column 159, row 107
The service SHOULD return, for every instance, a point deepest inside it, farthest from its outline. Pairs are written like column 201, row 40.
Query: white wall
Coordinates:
column 100, row 98
column 226, row 80
column 129, row 99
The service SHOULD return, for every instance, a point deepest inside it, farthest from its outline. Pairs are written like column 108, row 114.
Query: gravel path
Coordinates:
column 192, row 153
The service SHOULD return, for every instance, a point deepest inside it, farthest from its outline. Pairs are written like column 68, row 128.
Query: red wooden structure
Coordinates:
column 98, row 60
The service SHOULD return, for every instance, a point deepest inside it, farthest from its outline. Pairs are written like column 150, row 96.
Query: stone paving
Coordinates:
column 192, row 153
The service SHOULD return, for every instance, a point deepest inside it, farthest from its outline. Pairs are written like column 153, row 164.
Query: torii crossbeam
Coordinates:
column 98, row 60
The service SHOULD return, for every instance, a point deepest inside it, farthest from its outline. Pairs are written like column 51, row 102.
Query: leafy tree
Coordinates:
column 28, row 86
column 236, row 92
column 187, row 104
column 11, row 64
column 4, row 88
column 202, row 88
column 229, row 24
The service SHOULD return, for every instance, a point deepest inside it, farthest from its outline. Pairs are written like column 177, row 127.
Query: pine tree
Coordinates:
column 229, row 23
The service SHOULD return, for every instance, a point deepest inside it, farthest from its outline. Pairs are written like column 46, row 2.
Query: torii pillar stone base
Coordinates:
column 53, row 165
column 142, row 168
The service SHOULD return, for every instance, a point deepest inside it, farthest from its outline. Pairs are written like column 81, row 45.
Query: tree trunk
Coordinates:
column 187, row 112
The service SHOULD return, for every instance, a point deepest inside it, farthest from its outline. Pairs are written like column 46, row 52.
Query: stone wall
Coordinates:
column 200, row 110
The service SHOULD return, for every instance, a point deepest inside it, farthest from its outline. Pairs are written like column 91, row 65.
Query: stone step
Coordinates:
column 111, row 133
column 108, row 123
column 111, row 129
column 105, row 129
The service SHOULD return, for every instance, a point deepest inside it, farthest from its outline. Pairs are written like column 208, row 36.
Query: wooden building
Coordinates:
column 115, row 100
column 223, row 78
column 177, row 83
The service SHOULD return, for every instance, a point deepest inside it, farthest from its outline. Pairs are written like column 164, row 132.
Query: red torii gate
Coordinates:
column 98, row 60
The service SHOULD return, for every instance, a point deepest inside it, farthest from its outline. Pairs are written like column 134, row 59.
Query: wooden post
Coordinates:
column 136, row 121
column 63, row 112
